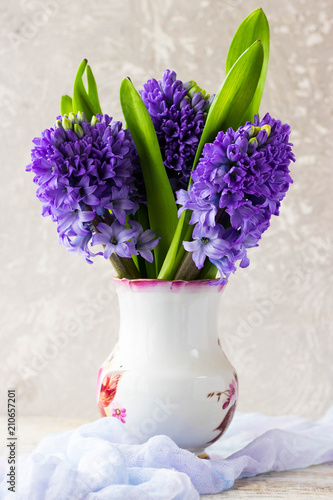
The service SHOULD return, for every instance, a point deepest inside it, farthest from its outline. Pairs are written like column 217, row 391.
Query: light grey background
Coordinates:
column 60, row 315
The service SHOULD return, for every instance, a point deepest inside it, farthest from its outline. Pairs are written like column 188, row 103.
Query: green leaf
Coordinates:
column 227, row 110
column 254, row 27
column 234, row 95
column 81, row 100
column 176, row 251
column 66, row 105
column 162, row 209
column 92, row 91
column 208, row 272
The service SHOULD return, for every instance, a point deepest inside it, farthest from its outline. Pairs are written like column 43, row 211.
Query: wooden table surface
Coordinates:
column 312, row 483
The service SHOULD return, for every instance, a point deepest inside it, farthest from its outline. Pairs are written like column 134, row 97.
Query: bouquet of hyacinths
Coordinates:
column 186, row 188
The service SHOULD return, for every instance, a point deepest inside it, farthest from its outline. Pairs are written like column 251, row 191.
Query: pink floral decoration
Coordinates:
column 119, row 413
column 233, row 391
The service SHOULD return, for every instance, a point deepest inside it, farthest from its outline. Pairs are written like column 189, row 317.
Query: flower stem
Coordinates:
column 187, row 270
column 124, row 267
column 208, row 271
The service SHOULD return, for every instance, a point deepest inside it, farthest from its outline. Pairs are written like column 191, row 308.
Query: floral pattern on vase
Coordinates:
column 107, row 392
column 118, row 412
column 224, row 424
column 229, row 399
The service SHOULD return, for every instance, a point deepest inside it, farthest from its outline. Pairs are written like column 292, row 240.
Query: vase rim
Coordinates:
column 148, row 285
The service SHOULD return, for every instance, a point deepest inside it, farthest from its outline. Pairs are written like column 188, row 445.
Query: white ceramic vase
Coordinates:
column 168, row 374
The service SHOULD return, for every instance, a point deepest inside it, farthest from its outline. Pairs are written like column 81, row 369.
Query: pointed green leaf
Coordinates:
column 92, row 91
column 254, row 27
column 227, row 110
column 234, row 95
column 162, row 209
column 81, row 100
column 66, row 105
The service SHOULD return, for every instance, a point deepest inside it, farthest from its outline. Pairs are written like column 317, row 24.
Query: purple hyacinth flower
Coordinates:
column 238, row 185
column 80, row 245
column 202, row 211
column 225, row 267
column 207, row 243
column 144, row 241
column 74, row 219
column 116, row 239
column 120, row 204
column 82, row 176
column 240, row 216
column 178, row 111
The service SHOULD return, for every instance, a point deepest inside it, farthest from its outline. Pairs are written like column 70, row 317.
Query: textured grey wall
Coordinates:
column 59, row 315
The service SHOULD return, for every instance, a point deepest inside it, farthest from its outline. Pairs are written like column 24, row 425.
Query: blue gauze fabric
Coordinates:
column 98, row 461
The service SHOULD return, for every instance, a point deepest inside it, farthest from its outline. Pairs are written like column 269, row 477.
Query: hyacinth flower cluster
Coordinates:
column 187, row 188
column 178, row 111
column 237, row 186
column 85, row 173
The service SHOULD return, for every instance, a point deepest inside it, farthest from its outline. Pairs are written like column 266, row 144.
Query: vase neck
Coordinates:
column 163, row 318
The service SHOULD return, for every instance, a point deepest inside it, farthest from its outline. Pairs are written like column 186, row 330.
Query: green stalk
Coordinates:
column 124, row 267
column 187, row 270
column 176, row 249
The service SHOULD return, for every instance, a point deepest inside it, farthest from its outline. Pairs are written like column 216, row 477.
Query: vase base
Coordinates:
column 200, row 453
